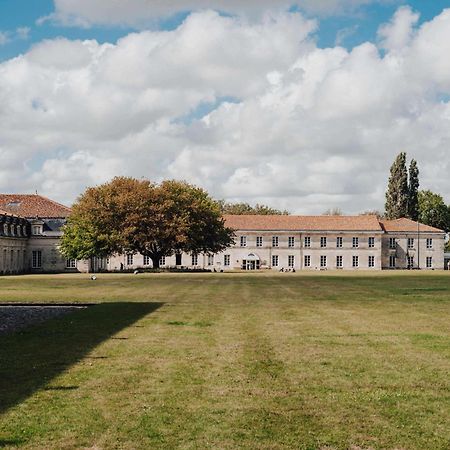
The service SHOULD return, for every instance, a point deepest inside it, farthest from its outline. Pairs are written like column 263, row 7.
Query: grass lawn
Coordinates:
column 227, row 361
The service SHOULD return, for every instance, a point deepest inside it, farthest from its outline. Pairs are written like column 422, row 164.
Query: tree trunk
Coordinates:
column 155, row 260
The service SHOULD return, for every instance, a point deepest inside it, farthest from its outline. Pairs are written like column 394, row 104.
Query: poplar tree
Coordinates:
column 413, row 191
column 396, row 205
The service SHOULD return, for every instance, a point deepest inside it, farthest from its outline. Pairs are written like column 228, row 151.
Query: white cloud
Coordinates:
column 4, row 37
column 310, row 128
column 139, row 12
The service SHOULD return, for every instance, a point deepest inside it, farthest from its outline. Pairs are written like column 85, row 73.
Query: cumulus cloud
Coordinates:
column 292, row 125
column 139, row 12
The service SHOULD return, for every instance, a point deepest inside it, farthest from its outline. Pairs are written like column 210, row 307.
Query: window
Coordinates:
column 259, row 241
column 291, row 260
column 323, row 241
column 410, row 243
column 429, row 243
column 146, row 260
column 274, row 260
column 36, row 262
column 195, row 260
column 392, row 262
column 339, row 242
column 371, row 261
column 355, row 242
column 355, row 261
column 226, row 260
column 392, row 244
column 371, row 242
column 71, row 263
column 323, row 261
column 291, row 241
column 410, row 262
column 274, row 241
column 243, row 241
column 162, row 261
column 210, row 260
column 130, row 259
column 339, row 261
column 36, row 230
column 307, row 260
column 429, row 262
column 307, row 241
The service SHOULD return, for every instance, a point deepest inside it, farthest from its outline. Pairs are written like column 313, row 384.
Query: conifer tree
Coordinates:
column 396, row 205
column 413, row 191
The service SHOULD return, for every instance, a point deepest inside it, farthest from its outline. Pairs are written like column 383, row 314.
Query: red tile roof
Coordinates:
column 407, row 225
column 32, row 205
column 307, row 223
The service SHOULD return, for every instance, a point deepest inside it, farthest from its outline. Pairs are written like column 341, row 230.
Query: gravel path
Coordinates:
column 14, row 318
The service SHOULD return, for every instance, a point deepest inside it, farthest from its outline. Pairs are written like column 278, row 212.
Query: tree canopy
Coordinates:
column 127, row 215
column 397, row 193
column 246, row 208
column 433, row 211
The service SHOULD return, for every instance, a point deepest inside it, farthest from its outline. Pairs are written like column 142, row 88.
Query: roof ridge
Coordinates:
column 53, row 201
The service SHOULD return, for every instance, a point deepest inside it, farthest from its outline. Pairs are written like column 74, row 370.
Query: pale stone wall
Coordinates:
column 13, row 257
column 51, row 258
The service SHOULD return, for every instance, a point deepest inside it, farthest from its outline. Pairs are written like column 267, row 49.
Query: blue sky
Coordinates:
column 304, row 111
column 355, row 28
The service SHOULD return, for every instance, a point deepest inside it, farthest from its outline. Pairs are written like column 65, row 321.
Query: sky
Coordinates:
column 298, row 104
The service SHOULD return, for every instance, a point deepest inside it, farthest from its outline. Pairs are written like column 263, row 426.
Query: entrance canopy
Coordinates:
column 252, row 257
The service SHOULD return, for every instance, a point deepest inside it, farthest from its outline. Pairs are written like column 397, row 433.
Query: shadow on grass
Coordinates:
column 31, row 358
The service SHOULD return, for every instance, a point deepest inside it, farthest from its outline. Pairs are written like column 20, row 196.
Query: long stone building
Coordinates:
column 30, row 228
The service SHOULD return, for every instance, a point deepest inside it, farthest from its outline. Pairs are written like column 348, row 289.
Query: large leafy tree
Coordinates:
column 413, row 191
column 136, row 216
column 246, row 208
column 433, row 211
column 397, row 193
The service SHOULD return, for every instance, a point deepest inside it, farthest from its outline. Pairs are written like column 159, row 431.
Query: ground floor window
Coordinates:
column 71, row 263
column 392, row 262
column 146, row 260
column 36, row 259
column 410, row 261
column 307, row 260
column 323, row 261
column 291, row 260
column 274, row 260
column 339, row 261
column 210, row 260
column 162, row 261
column 355, row 261
column 429, row 262
column 195, row 260
column 371, row 261
column 130, row 258
column 226, row 260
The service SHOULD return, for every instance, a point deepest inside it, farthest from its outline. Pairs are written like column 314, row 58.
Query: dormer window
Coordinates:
column 5, row 229
column 36, row 230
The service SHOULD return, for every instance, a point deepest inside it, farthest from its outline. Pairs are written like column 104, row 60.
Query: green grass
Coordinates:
column 227, row 361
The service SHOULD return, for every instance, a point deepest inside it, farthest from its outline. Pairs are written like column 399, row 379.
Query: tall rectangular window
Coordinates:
column 274, row 241
column 259, row 241
column 36, row 259
column 371, row 242
column 226, row 260
column 243, row 241
column 339, row 242
column 429, row 243
column 291, row 260
column 195, row 260
column 392, row 243
column 162, row 261
column 130, row 259
column 355, row 242
column 274, row 260
column 410, row 262
column 410, row 243
column 371, row 261
column 146, row 260
column 355, row 261
column 392, row 262
column 210, row 260
column 291, row 241
column 429, row 262
column 307, row 260
column 323, row 241
column 323, row 261
column 339, row 261
column 307, row 241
